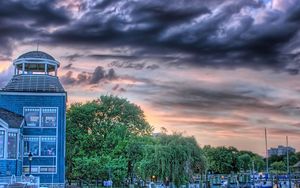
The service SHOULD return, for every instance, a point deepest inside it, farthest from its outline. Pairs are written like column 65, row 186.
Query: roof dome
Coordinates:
column 36, row 62
column 36, row 54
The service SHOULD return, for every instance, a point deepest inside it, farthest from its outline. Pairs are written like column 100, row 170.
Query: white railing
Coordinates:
column 18, row 181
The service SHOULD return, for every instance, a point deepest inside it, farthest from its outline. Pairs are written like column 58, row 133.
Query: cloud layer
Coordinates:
column 246, row 33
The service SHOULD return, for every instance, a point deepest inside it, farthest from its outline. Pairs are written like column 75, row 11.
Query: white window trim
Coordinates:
column 40, row 144
column 4, row 145
column 56, row 135
column 6, row 131
column 39, row 169
column 40, row 117
column 17, row 142
column 4, row 124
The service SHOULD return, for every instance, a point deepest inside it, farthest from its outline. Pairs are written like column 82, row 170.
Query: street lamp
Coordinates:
column 30, row 159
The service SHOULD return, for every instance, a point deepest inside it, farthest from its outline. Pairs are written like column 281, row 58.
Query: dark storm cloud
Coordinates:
column 116, row 87
column 68, row 79
column 9, row 32
column 127, row 65
column 294, row 14
column 109, row 56
column 153, row 67
column 72, row 57
column 198, row 32
column 97, row 75
column 146, row 19
column 68, row 66
column 120, row 61
column 89, row 78
column 34, row 13
column 27, row 20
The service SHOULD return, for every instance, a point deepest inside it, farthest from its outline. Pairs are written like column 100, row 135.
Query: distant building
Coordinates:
column 280, row 151
column 33, row 120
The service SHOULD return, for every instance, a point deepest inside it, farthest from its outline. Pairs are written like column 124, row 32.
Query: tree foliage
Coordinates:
column 109, row 138
column 103, row 137
column 173, row 157
column 225, row 160
column 278, row 167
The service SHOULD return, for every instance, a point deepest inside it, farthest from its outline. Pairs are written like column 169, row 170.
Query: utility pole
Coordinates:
column 288, row 161
column 253, row 179
column 267, row 160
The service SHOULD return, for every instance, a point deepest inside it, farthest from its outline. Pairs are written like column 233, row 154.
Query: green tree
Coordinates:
column 259, row 163
column 222, row 159
column 278, row 167
column 173, row 157
column 244, row 162
column 99, row 133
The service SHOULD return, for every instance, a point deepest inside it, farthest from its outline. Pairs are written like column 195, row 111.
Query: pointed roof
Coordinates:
column 12, row 119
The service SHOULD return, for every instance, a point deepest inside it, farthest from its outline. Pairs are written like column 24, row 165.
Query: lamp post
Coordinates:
column 30, row 159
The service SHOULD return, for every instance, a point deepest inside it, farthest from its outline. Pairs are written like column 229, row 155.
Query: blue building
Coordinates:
column 33, row 120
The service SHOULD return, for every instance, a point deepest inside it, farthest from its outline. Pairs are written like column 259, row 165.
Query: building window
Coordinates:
column 34, row 170
column 49, row 117
column 31, row 144
column 48, row 146
column 2, row 139
column 32, row 116
column 41, row 117
column 20, row 146
column 44, row 169
column 39, row 169
column 12, row 146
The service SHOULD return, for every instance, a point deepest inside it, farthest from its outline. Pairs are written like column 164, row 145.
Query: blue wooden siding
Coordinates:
column 15, row 103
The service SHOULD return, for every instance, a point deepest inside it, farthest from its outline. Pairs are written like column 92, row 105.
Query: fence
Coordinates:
column 19, row 181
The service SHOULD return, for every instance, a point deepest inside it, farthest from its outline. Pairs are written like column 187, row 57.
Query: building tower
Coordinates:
column 35, row 93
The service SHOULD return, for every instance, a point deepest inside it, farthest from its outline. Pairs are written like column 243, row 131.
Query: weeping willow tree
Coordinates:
column 173, row 157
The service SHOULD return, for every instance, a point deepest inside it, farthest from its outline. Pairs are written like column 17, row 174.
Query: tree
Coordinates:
column 259, row 163
column 244, row 162
column 222, row 159
column 173, row 157
column 255, row 161
column 278, row 167
column 99, row 133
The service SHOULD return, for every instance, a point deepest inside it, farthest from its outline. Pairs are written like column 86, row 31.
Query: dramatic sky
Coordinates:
column 221, row 70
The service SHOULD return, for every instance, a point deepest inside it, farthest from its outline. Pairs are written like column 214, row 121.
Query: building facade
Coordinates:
column 35, row 95
column 280, row 151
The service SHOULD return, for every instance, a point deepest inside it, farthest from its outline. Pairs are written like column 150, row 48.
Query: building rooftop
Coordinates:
column 36, row 54
column 34, row 83
column 12, row 119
